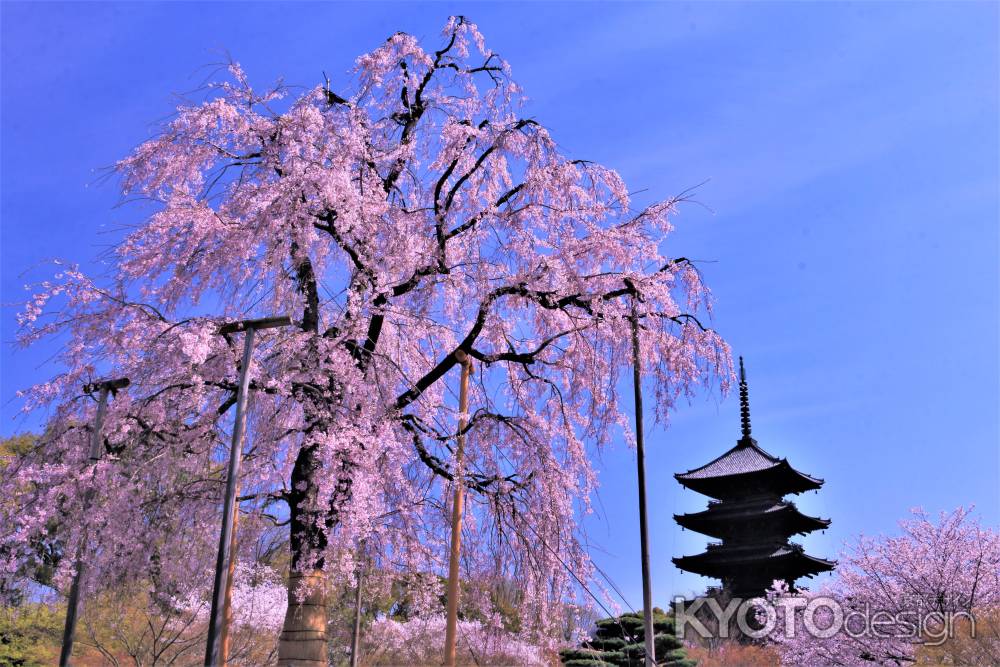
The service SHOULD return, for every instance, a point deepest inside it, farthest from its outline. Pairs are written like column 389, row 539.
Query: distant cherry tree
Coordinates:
column 402, row 220
column 898, row 594
column 419, row 642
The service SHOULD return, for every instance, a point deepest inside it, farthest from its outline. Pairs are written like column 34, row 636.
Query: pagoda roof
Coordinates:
column 784, row 559
column 720, row 517
column 745, row 465
column 745, row 457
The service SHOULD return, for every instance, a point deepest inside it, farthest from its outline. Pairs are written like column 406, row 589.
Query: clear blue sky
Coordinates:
column 852, row 152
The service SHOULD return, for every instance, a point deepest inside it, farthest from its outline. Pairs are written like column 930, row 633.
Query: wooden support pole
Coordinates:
column 640, row 455
column 457, row 506
column 226, row 632
column 215, row 651
column 356, row 634
column 96, row 451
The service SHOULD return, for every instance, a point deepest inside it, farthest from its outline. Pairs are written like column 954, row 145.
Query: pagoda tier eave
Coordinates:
column 778, row 480
column 782, row 517
column 717, row 563
column 747, row 469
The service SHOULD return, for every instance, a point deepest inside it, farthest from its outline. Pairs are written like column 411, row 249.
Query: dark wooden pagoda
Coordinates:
column 750, row 516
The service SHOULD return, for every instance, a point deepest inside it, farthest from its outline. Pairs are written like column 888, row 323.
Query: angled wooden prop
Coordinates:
column 96, row 449
column 218, row 635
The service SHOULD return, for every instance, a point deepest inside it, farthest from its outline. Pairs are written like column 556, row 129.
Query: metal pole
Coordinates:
column 640, row 452
column 96, row 449
column 356, row 635
column 457, row 506
column 213, row 650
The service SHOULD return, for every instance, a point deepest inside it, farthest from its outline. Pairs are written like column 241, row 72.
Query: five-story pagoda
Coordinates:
column 750, row 516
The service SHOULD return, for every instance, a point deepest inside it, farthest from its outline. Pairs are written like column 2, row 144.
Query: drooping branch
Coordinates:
column 519, row 125
column 473, row 481
column 415, row 110
column 527, row 357
column 474, row 220
column 329, row 219
column 546, row 299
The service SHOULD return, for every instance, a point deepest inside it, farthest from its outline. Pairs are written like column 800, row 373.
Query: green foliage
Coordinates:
column 620, row 642
column 579, row 654
column 29, row 635
column 15, row 446
column 675, row 658
column 607, row 643
column 46, row 548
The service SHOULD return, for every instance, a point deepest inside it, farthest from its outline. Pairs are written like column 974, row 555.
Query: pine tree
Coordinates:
column 621, row 642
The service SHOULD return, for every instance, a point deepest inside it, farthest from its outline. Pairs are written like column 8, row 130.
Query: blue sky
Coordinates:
column 849, row 221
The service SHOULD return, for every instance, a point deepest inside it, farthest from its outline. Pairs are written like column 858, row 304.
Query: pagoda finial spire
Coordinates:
column 744, row 403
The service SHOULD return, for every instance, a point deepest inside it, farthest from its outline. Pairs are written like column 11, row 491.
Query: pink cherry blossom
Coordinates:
column 414, row 214
column 907, row 584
